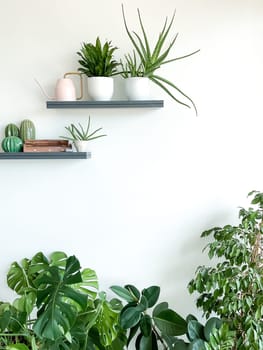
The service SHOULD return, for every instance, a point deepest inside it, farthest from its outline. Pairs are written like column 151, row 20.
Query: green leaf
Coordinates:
column 160, row 307
column 56, row 315
column 16, row 277
column 107, row 323
column 133, row 291
column 17, row 346
column 152, row 294
column 122, row 293
column 130, row 317
column 148, row 343
column 195, row 330
column 197, row 344
column 170, row 323
column 25, row 303
column 146, row 325
column 212, row 323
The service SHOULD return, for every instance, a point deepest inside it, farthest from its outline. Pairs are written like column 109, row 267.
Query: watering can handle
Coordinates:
column 81, row 82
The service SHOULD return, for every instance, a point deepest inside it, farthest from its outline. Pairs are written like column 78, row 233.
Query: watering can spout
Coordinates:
column 43, row 90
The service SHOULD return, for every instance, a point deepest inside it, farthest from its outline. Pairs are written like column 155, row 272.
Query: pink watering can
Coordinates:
column 65, row 88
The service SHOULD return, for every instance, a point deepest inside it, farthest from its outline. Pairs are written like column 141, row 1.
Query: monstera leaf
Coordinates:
column 21, row 277
column 55, row 315
column 17, row 276
column 89, row 284
column 107, row 321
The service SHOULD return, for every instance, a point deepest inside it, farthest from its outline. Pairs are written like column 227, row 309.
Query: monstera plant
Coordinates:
column 58, row 307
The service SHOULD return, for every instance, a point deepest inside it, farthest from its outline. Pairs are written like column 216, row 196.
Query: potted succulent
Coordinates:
column 232, row 288
column 81, row 136
column 151, row 59
column 98, row 64
column 136, row 83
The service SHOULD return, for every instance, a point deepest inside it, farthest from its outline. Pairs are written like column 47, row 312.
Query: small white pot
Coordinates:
column 81, row 145
column 100, row 88
column 137, row 88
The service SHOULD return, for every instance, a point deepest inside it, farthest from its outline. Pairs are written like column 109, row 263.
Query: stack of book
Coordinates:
column 47, row 146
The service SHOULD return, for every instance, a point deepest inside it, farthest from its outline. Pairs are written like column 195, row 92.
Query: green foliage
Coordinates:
column 131, row 67
column 58, row 307
column 233, row 287
column 97, row 60
column 82, row 133
column 151, row 60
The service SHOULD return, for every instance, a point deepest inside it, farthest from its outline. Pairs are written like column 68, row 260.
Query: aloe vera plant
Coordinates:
column 82, row 133
column 152, row 59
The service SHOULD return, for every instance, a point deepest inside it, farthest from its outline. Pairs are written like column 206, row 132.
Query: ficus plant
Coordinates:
column 232, row 287
column 58, row 306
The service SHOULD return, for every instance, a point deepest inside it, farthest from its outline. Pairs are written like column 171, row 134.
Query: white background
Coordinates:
column 135, row 211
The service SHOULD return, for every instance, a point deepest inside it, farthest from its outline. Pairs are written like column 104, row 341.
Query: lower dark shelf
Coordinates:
column 106, row 104
column 44, row 155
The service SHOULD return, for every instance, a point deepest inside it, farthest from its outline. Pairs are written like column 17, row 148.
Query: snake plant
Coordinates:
column 152, row 59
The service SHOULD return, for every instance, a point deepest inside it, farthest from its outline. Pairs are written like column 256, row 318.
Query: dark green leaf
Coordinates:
column 151, row 294
column 160, row 307
column 130, row 317
column 195, row 330
column 170, row 323
column 146, row 325
column 122, row 293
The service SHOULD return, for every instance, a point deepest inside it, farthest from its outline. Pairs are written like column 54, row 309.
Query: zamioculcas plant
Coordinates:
column 151, row 59
column 233, row 287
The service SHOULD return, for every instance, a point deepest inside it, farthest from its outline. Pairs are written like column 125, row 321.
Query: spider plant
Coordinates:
column 81, row 133
column 153, row 59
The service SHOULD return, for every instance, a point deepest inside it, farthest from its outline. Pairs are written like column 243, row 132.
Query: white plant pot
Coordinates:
column 100, row 88
column 137, row 88
column 81, row 145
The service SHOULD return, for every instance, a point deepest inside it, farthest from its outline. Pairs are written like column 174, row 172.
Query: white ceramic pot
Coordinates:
column 137, row 88
column 100, row 88
column 81, row 145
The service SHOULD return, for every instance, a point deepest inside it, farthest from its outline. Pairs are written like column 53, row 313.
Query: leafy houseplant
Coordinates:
column 150, row 60
column 58, row 307
column 98, row 64
column 97, row 60
column 161, row 327
column 233, row 287
column 81, row 135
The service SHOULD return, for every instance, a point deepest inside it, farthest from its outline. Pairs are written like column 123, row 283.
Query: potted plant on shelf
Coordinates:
column 136, row 83
column 151, row 59
column 233, row 287
column 98, row 64
column 81, row 136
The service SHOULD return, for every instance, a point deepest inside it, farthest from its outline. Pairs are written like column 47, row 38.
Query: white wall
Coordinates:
column 135, row 211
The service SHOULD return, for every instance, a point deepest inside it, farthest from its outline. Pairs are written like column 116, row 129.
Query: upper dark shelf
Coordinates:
column 106, row 104
column 44, row 155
